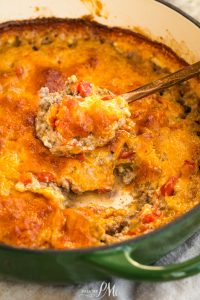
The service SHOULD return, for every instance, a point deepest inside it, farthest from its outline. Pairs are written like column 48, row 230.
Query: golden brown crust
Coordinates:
column 158, row 162
column 97, row 28
column 79, row 118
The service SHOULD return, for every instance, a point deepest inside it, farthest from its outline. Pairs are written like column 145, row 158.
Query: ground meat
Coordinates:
column 80, row 118
column 126, row 172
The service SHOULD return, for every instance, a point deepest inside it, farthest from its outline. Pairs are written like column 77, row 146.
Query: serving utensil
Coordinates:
column 163, row 83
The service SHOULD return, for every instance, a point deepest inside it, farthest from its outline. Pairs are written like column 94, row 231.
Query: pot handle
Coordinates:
column 123, row 265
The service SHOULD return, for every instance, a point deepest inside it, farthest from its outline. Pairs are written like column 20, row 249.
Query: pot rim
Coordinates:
column 131, row 241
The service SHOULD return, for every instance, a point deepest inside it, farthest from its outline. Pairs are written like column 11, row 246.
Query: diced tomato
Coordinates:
column 80, row 157
column 148, row 218
column 84, row 88
column 108, row 97
column 45, row 177
column 167, row 189
column 126, row 154
column 25, row 178
column 151, row 216
column 188, row 167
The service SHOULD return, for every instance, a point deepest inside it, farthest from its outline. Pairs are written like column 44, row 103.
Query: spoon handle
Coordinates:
column 163, row 83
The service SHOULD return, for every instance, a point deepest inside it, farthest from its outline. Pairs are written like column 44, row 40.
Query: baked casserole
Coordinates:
column 78, row 166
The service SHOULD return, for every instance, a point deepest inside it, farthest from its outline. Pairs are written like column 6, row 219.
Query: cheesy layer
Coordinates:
column 142, row 178
column 80, row 118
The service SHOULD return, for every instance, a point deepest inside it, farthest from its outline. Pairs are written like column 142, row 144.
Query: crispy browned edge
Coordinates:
column 92, row 25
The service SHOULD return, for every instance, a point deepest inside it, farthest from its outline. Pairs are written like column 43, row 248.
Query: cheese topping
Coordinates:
column 80, row 118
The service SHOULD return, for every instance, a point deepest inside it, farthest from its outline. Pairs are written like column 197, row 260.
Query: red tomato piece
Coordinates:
column 45, row 177
column 109, row 97
column 151, row 216
column 84, row 88
column 148, row 218
column 25, row 178
column 167, row 189
column 80, row 157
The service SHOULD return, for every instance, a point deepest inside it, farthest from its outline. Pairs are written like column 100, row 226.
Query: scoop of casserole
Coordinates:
column 80, row 118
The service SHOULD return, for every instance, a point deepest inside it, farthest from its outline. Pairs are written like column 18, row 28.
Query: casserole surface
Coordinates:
column 143, row 179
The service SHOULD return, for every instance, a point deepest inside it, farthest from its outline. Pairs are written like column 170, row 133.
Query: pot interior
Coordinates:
column 148, row 16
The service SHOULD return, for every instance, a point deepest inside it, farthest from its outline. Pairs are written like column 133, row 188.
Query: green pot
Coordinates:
column 129, row 259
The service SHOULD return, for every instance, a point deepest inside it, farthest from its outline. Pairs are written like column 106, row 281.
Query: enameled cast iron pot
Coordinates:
column 130, row 259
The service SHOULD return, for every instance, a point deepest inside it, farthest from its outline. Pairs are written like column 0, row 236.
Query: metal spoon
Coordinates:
column 163, row 83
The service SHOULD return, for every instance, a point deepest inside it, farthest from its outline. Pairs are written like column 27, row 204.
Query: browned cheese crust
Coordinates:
column 157, row 159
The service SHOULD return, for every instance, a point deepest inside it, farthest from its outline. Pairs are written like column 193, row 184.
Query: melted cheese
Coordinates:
column 163, row 144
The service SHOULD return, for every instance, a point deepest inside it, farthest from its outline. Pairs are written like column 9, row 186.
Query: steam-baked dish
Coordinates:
column 78, row 166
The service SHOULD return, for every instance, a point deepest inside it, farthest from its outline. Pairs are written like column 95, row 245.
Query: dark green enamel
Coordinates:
column 76, row 266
